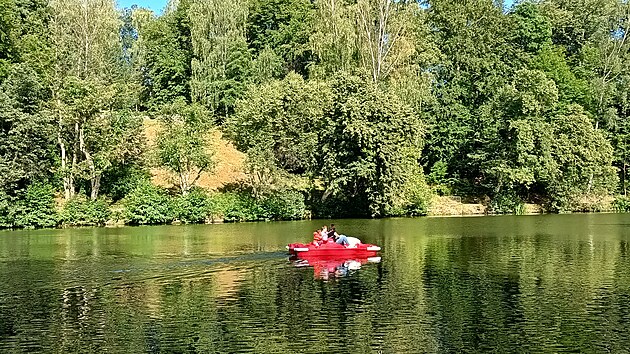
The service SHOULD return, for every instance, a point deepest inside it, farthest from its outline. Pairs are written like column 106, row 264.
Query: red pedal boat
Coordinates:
column 332, row 249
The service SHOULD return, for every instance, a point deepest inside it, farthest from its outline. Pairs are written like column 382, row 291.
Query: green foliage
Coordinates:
column 33, row 207
column 121, row 178
column 583, row 158
column 283, row 117
column 221, row 60
column 167, row 47
column 237, row 206
column 532, row 30
column 370, row 148
column 415, row 198
column 621, row 204
column 182, row 145
column 26, row 140
column 148, row 204
column 438, row 178
column 283, row 26
column 284, row 205
column 242, row 206
column 194, row 207
column 507, row 203
column 80, row 211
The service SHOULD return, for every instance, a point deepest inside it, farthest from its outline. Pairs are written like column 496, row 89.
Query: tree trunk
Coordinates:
column 183, row 183
column 95, row 183
column 623, row 180
column 95, row 176
column 68, row 180
column 67, row 175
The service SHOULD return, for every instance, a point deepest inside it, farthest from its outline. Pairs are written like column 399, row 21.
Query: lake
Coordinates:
column 548, row 283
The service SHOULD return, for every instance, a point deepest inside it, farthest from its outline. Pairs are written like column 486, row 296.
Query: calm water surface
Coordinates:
column 552, row 283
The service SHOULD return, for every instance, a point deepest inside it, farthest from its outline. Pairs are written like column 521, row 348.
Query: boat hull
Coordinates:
column 333, row 250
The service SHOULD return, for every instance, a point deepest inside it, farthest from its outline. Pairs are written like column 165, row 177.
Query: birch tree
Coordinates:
column 87, row 87
column 220, row 56
column 334, row 40
column 385, row 39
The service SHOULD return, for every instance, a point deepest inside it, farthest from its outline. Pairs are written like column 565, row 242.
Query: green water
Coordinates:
column 550, row 283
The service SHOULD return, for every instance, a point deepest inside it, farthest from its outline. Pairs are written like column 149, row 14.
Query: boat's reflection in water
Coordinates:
column 332, row 267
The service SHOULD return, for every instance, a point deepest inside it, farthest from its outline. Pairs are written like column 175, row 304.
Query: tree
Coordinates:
column 220, row 62
column 182, row 144
column 370, row 147
column 384, row 33
column 166, row 47
column 334, row 38
column 25, row 133
column 515, row 147
column 283, row 26
column 279, row 125
column 584, row 160
column 90, row 91
column 476, row 62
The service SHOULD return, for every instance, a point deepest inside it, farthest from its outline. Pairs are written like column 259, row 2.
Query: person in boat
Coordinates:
column 343, row 239
column 339, row 239
column 324, row 233
column 332, row 233
column 317, row 237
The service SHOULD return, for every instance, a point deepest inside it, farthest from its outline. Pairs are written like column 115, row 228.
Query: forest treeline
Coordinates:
column 342, row 107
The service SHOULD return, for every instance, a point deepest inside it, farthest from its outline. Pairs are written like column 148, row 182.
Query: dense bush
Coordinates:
column 416, row 197
column 285, row 205
column 236, row 206
column 194, row 207
column 83, row 211
column 148, row 204
column 621, row 204
column 507, row 203
column 34, row 207
column 242, row 206
column 119, row 181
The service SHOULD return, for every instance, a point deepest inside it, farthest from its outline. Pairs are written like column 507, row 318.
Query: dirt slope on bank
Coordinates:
column 453, row 206
column 229, row 161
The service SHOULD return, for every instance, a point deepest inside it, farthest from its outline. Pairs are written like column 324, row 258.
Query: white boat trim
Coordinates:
column 300, row 249
column 373, row 248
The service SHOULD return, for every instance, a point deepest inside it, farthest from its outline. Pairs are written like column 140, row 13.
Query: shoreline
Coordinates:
column 177, row 223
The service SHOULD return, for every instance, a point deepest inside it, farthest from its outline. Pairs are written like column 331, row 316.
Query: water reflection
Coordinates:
column 553, row 283
column 326, row 268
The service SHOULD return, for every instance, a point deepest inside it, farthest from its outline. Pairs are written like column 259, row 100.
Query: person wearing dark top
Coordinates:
column 332, row 233
column 340, row 239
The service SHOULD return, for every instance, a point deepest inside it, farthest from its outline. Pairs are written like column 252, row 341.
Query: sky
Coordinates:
column 158, row 5
column 155, row 5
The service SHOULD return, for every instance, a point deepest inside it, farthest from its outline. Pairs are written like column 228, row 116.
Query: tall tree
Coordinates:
column 89, row 88
column 384, row 32
column 283, row 26
column 279, row 125
column 370, row 149
column 220, row 62
column 26, row 145
column 334, row 38
column 166, row 47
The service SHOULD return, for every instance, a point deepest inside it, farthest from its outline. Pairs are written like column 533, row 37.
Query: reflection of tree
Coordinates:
column 444, row 285
column 534, row 292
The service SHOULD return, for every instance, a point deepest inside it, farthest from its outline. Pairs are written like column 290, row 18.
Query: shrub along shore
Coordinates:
column 366, row 108
column 152, row 205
